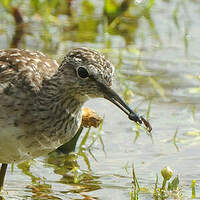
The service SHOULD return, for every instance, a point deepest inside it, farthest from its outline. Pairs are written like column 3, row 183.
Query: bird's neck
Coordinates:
column 57, row 109
column 55, row 98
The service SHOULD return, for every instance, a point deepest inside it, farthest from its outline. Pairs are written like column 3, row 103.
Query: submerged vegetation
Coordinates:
column 153, row 45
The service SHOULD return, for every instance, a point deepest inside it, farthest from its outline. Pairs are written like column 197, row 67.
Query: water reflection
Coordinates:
column 154, row 46
column 66, row 165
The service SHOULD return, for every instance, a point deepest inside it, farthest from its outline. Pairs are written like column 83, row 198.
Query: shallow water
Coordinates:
column 157, row 65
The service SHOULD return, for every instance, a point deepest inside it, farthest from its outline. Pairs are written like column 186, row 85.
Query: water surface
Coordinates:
column 156, row 55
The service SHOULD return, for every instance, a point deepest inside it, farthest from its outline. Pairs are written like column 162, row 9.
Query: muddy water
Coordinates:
column 157, row 66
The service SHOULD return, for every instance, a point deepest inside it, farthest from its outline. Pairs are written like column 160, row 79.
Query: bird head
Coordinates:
column 91, row 74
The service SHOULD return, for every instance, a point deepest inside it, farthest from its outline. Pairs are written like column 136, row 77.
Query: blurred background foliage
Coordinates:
column 82, row 21
column 54, row 26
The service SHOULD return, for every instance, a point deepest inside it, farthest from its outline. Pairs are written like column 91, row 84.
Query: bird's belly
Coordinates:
column 15, row 146
column 25, row 135
column 18, row 146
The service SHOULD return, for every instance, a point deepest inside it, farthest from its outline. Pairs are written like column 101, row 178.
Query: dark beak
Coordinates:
column 112, row 96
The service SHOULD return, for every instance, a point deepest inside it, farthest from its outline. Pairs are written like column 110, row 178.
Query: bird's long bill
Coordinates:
column 112, row 96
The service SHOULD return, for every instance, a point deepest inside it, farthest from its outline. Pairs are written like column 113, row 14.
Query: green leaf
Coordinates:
column 88, row 8
column 193, row 189
column 174, row 184
column 110, row 6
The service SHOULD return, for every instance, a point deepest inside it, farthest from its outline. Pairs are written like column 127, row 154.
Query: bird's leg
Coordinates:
column 2, row 174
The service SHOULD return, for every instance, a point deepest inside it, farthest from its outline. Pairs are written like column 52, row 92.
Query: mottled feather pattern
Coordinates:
column 26, row 68
column 93, row 59
column 41, row 103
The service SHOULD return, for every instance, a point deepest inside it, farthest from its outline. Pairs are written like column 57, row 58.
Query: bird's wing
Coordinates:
column 24, row 68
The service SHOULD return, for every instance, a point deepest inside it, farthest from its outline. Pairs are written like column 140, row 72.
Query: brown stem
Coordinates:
column 2, row 174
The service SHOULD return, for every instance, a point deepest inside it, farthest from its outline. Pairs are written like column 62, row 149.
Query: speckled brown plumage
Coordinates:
column 40, row 102
column 26, row 68
column 40, row 105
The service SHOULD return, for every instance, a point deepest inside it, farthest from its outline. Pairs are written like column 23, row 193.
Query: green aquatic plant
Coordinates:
column 167, row 173
column 136, row 188
column 168, row 190
column 193, row 189
column 175, row 140
column 172, row 190
column 123, row 18
column 86, row 144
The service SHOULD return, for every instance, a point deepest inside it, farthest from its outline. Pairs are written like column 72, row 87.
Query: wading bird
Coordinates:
column 41, row 102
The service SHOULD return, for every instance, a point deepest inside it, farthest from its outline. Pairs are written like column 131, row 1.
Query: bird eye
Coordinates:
column 82, row 72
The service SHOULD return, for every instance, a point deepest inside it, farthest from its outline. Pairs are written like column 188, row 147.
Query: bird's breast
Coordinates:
column 30, row 136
